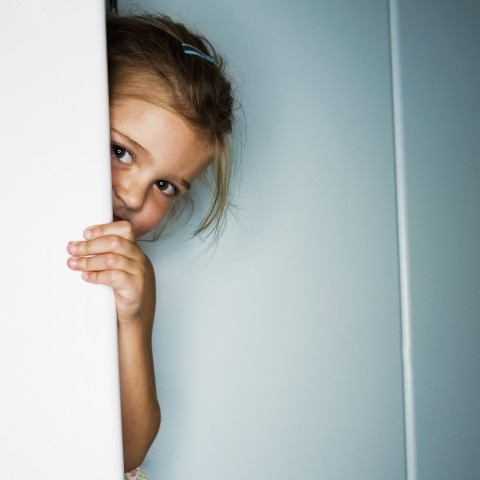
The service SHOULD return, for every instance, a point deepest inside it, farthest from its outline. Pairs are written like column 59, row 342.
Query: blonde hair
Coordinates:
column 146, row 59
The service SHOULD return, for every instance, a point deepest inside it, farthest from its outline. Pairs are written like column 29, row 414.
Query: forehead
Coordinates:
column 165, row 136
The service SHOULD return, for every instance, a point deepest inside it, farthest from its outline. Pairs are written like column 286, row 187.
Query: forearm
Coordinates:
column 133, row 283
column 140, row 409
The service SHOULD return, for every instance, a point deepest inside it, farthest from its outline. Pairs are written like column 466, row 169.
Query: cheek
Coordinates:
column 153, row 214
column 115, row 173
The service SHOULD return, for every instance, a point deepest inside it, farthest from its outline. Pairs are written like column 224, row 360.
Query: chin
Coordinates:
column 140, row 232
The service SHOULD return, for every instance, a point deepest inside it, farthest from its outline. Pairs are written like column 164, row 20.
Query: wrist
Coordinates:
column 129, row 321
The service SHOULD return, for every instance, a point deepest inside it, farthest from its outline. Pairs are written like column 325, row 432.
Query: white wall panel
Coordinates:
column 59, row 402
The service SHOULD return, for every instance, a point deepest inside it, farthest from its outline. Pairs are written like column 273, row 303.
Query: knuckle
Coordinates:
column 115, row 243
column 114, row 276
column 128, row 227
column 124, row 228
column 111, row 260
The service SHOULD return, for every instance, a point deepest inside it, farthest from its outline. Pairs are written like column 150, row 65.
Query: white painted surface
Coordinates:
column 59, row 402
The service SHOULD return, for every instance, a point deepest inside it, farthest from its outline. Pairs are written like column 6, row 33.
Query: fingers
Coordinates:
column 122, row 229
column 117, row 279
column 110, row 256
column 105, row 261
column 128, row 291
column 109, row 243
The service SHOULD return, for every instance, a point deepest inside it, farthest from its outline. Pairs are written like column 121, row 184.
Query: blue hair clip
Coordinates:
column 191, row 50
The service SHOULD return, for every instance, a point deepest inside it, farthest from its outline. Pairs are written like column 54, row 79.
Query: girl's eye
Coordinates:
column 166, row 187
column 121, row 154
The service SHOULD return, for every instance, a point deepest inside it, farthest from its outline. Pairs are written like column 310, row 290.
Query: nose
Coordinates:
column 132, row 196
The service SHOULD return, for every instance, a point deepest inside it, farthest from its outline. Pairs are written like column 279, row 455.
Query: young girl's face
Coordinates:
column 156, row 156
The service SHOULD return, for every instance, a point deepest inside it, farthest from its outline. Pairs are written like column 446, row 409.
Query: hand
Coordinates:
column 110, row 256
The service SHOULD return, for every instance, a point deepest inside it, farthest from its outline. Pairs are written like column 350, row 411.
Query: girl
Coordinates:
column 170, row 118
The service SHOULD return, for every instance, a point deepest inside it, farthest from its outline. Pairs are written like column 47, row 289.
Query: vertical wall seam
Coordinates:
column 403, row 252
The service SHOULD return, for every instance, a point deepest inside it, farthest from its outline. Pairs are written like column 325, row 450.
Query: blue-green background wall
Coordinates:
column 280, row 356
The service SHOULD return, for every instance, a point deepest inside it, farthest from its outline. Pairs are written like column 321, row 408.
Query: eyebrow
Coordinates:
column 132, row 142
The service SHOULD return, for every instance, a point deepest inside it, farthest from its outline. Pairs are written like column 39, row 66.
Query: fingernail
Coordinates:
column 87, row 234
column 72, row 262
column 72, row 247
column 84, row 275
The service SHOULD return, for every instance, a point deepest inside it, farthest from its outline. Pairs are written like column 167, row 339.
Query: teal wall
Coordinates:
column 441, row 102
column 280, row 355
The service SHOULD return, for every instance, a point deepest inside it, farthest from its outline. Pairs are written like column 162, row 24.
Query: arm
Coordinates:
column 140, row 409
column 111, row 257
